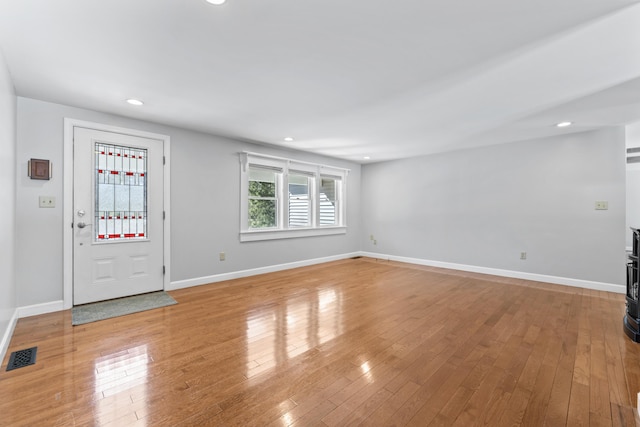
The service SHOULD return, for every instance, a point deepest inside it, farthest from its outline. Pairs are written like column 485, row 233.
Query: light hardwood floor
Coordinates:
column 353, row 342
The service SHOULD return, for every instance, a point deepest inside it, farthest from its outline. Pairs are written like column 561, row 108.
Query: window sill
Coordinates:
column 256, row 235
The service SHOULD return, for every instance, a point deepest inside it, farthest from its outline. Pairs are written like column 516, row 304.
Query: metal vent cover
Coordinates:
column 21, row 358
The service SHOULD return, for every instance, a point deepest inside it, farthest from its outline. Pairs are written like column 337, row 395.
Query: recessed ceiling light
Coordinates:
column 563, row 124
column 366, row 157
column 288, row 139
column 135, row 102
column 216, row 2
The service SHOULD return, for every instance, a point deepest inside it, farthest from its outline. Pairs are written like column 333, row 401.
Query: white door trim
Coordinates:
column 67, row 243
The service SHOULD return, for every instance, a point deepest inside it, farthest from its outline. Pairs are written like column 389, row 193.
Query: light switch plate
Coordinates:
column 47, row 201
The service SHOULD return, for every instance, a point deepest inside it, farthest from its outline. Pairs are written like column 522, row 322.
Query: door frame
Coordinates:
column 67, row 195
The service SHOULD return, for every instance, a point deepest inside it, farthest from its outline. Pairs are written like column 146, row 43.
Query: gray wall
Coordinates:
column 7, row 197
column 205, row 204
column 483, row 207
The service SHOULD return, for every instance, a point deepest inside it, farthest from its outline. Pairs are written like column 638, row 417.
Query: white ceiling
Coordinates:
column 349, row 79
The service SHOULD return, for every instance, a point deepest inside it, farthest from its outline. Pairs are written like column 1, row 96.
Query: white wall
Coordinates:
column 8, row 202
column 205, row 173
column 483, row 207
column 633, row 183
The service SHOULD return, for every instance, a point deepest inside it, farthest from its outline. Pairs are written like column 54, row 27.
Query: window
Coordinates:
column 263, row 198
column 120, row 193
column 283, row 198
column 299, row 200
column 329, row 187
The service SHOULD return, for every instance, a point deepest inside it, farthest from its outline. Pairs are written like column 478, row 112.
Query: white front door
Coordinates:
column 117, row 215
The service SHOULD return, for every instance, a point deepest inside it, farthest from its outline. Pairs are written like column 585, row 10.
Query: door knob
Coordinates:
column 82, row 225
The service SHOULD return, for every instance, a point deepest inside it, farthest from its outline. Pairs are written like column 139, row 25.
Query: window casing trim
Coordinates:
column 291, row 233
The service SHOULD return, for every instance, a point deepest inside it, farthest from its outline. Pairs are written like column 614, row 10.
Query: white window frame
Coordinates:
column 283, row 231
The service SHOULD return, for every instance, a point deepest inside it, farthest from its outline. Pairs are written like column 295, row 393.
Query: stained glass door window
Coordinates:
column 120, row 193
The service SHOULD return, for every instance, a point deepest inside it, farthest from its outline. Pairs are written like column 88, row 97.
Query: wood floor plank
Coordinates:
column 386, row 409
column 561, row 389
column 352, row 342
column 599, row 403
column 578, row 414
column 623, row 416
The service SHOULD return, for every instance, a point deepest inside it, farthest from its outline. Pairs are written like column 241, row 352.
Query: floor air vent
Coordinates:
column 22, row 358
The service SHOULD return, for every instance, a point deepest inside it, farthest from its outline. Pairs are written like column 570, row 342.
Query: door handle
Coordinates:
column 82, row 225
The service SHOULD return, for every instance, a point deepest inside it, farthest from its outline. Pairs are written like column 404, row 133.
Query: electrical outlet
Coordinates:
column 523, row 255
column 223, row 256
column 375, row 242
column 602, row 206
column 47, row 201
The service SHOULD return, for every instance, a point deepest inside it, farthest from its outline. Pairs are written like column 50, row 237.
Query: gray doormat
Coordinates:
column 93, row 312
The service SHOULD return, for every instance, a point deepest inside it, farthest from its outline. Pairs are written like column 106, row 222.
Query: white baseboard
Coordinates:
column 181, row 284
column 8, row 333
column 53, row 306
column 44, row 308
column 567, row 281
